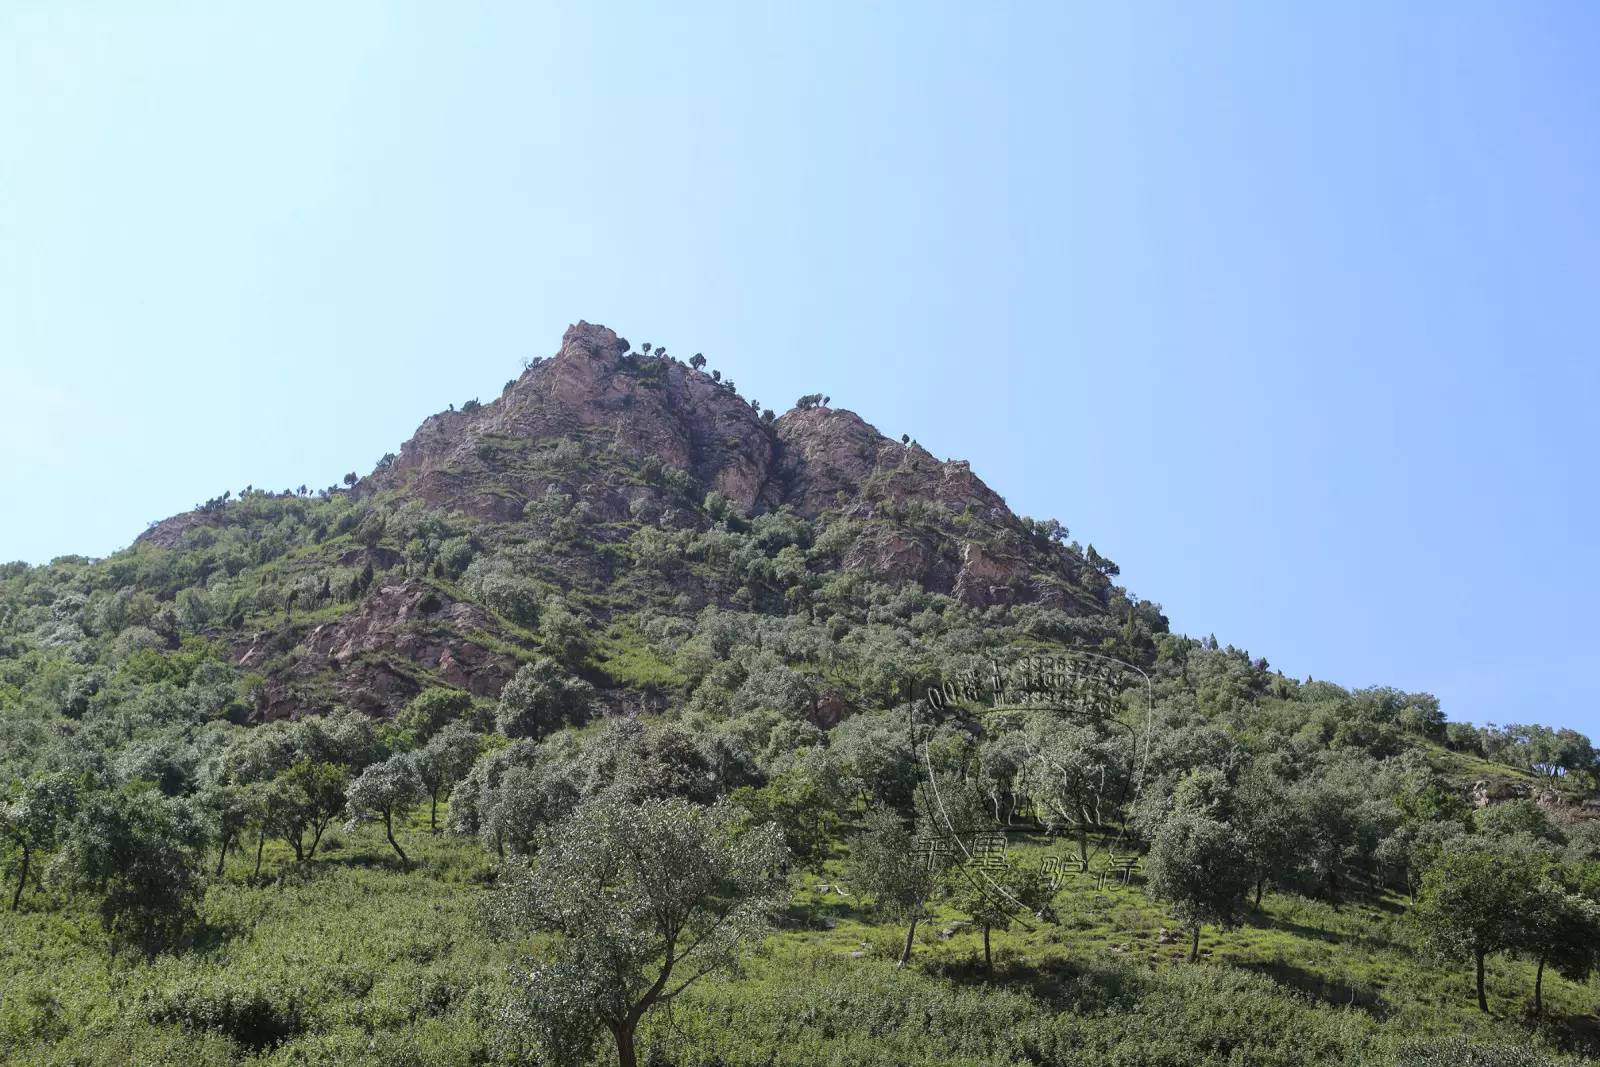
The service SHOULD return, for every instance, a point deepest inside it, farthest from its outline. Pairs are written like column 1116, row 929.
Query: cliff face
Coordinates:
column 568, row 478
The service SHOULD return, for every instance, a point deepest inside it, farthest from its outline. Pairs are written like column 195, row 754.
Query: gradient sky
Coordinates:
column 1290, row 310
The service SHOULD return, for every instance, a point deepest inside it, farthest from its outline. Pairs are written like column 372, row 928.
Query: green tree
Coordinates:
column 302, row 801
column 1471, row 905
column 898, row 869
column 646, row 899
column 1269, row 826
column 1559, row 928
column 541, row 698
column 387, row 791
column 231, row 809
column 432, row 710
column 444, row 761
column 994, row 896
column 140, row 854
column 32, row 819
column 800, row 807
column 1202, row 868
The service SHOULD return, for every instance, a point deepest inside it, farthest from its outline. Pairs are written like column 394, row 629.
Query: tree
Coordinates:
column 697, row 361
column 1470, row 906
column 993, row 896
column 387, row 790
column 303, row 800
column 809, row 401
column 1201, row 867
column 39, row 808
column 443, row 762
column 352, row 478
column 1076, row 775
column 139, row 852
column 800, row 807
column 647, row 899
column 899, row 869
column 231, row 809
column 1269, row 826
column 1562, row 929
column 433, row 709
column 541, row 698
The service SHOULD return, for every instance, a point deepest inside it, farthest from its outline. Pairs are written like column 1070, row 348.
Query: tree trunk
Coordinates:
column 261, row 844
column 22, row 882
column 1483, row 1001
column 1538, row 985
column 988, row 958
column 1083, row 846
column 623, row 1033
column 1259, row 883
column 905, row 953
column 388, row 831
column 222, row 856
column 1194, row 944
column 433, row 813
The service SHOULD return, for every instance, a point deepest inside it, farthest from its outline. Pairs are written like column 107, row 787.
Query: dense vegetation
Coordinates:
column 691, row 823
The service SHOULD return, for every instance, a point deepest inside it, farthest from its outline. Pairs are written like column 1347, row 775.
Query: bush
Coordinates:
column 254, row 1013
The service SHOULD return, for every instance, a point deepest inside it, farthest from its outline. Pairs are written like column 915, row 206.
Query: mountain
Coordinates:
column 604, row 477
column 296, row 746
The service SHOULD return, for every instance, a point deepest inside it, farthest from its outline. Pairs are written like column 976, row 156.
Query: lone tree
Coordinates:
column 387, row 791
column 1471, row 906
column 697, row 361
column 1560, row 929
column 1201, row 867
column 302, row 801
column 646, row 899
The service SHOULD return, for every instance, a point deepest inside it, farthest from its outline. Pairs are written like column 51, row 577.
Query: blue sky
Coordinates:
column 1291, row 310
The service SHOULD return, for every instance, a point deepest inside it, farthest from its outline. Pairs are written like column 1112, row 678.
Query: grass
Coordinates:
column 352, row 961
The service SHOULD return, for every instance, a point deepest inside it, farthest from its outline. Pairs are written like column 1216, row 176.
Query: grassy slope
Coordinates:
column 359, row 963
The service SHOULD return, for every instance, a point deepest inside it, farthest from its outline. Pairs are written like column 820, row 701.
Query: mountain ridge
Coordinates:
column 596, row 453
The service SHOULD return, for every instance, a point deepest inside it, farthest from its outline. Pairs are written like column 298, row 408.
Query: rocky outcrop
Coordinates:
column 639, row 408
column 401, row 637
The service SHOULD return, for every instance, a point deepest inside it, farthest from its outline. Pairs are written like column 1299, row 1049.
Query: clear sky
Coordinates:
column 1289, row 309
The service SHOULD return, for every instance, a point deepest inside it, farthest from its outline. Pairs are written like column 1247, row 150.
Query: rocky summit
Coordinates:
column 606, row 480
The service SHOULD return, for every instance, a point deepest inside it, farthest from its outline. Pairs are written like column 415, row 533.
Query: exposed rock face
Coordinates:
column 403, row 623
column 1485, row 793
column 828, row 452
column 986, row 579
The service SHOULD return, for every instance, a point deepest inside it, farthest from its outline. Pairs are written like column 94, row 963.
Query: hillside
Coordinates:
column 265, row 772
